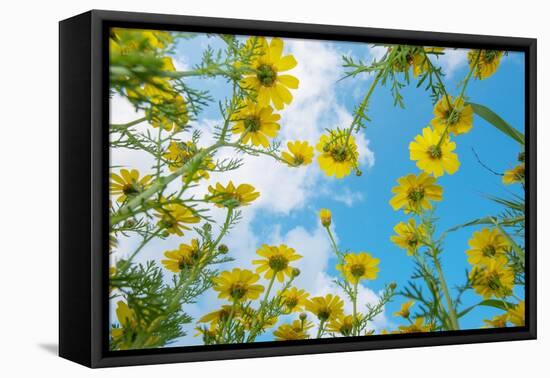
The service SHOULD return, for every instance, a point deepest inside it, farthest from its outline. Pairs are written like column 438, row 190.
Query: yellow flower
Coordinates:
column 514, row 175
column 341, row 324
column 487, row 64
column 276, row 261
column 248, row 318
column 326, row 217
column 434, row 153
column 231, row 196
column 359, row 266
column 498, row 321
column 338, row 153
column 218, row 316
column 238, row 285
column 409, row 237
column 127, row 40
column 174, row 216
column 486, row 245
column 416, row 327
column 125, row 335
column 267, row 82
column 419, row 63
column 294, row 299
column 405, row 310
column 256, row 123
column 179, row 154
column 517, row 314
column 414, row 193
column 168, row 109
column 295, row 331
column 300, row 153
column 453, row 116
column 128, row 184
column 495, row 279
column 326, row 308
column 185, row 257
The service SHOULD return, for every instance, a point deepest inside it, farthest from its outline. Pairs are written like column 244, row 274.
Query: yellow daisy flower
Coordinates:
column 238, row 285
column 342, row 324
column 405, row 310
column 231, row 196
column 414, row 193
column 326, row 308
column 417, row 327
column 486, row 245
column 267, row 82
column 432, row 154
column 294, row 331
column 185, row 257
column 300, row 153
column 179, row 153
column 514, row 175
column 294, row 299
column 168, row 113
column 219, row 316
column 409, row 236
column 256, row 123
column 487, row 64
column 498, row 321
column 174, row 216
column 276, row 261
column 517, row 314
column 495, row 279
column 248, row 317
column 125, row 335
column 128, row 184
column 359, row 266
column 326, row 217
column 337, row 154
column 419, row 63
column 453, row 116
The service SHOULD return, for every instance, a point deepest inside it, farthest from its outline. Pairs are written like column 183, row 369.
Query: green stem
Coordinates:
column 332, row 241
column 450, row 305
column 460, row 96
column 355, row 322
column 124, row 126
column 320, row 330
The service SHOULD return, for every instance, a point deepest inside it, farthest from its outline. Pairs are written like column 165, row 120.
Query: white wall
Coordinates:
column 28, row 186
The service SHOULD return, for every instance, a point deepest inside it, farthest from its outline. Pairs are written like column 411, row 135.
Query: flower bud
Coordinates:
column 129, row 223
column 295, row 272
column 207, row 227
column 393, row 285
column 326, row 217
column 303, row 316
column 223, row 249
column 165, row 234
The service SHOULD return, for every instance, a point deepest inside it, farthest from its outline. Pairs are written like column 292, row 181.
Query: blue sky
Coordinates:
column 363, row 219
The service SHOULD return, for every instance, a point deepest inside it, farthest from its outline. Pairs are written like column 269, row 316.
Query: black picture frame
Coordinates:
column 83, row 180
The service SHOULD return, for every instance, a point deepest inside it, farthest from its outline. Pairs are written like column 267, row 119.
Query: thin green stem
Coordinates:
column 355, row 322
column 452, row 313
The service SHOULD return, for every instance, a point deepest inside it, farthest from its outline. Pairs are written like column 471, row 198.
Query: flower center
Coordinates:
column 237, row 290
column 490, row 55
column 435, row 152
column 278, row 262
column 131, row 189
column 488, row 251
column 298, row 160
column 252, row 124
column 346, row 329
column 323, row 314
column 266, row 75
column 452, row 116
column 493, row 281
column 291, row 302
column 416, row 194
column 413, row 241
column 357, row 270
column 339, row 153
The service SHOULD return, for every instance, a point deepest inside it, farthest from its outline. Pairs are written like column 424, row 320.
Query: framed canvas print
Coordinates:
column 233, row 188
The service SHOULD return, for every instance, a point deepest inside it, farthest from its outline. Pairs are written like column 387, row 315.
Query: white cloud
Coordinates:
column 347, row 197
column 452, row 61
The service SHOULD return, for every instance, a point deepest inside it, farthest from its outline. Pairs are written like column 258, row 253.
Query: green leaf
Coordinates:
column 495, row 120
column 497, row 303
